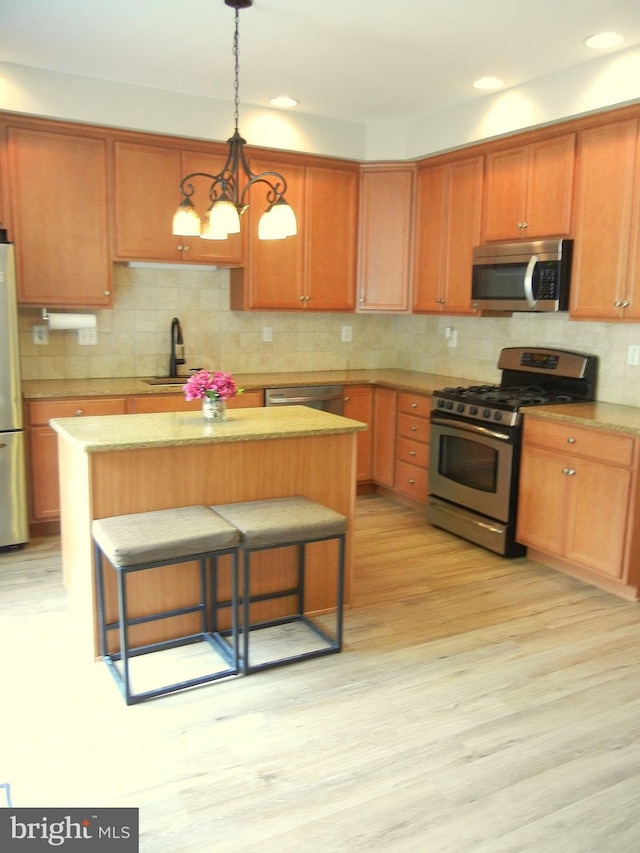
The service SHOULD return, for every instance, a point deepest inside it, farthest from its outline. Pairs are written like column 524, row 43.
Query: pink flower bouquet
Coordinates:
column 210, row 383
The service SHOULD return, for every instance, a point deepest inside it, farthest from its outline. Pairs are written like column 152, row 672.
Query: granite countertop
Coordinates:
column 403, row 380
column 125, row 432
column 595, row 415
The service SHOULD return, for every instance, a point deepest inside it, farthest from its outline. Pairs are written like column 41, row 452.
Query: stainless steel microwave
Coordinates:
column 522, row 276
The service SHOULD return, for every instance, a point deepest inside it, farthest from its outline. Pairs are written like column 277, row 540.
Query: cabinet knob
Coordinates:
column 569, row 471
column 523, row 224
column 414, row 405
column 413, row 428
column 412, row 482
column 571, row 440
column 179, row 248
column 79, row 412
column 412, row 453
column 186, row 248
column 301, row 297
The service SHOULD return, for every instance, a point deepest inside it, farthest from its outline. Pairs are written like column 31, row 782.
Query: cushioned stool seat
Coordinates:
column 148, row 540
column 279, row 523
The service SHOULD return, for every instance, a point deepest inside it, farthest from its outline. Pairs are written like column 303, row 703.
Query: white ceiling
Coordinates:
column 360, row 60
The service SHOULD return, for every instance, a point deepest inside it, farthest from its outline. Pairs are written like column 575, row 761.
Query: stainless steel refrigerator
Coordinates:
column 13, row 486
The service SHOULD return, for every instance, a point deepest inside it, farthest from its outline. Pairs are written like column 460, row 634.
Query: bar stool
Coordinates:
column 145, row 541
column 279, row 523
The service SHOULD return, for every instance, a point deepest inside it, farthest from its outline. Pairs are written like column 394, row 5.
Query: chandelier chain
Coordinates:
column 236, row 54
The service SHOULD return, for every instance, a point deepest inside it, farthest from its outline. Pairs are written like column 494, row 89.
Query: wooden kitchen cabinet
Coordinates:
column 605, row 282
column 44, row 497
column 385, row 237
column 385, row 405
column 59, row 217
column 577, row 506
column 528, row 190
column 146, row 193
column 447, row 227
column 412, row 446
column 358, row 405
column 315, row 269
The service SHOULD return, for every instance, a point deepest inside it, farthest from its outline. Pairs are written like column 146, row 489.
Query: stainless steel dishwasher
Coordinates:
column 327, row 398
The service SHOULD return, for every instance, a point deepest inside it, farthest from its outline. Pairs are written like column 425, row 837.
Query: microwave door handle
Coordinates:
column 528, row 281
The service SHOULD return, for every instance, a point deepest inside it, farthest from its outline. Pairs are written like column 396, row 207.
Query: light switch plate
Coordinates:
column 87, row 337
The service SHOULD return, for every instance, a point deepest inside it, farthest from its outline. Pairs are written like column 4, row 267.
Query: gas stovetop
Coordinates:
column 531, row 377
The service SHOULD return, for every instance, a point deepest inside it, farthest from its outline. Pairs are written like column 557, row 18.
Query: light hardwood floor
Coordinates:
column 480, row 704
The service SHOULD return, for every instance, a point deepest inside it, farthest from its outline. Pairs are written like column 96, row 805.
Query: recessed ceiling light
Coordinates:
column 283, row 102
column 602, row 41
column 488, row 83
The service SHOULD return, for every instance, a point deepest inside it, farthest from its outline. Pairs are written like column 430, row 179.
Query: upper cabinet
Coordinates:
column 448, row 219
column 146, row 193
column 385, row 237
column 59, row 219
column 529, row 190
column 315, row 269
column 605, row 281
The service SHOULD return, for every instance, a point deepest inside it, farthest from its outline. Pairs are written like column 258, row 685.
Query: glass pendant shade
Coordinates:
column 284, row 219
column 268, row 228
column 223, row 216
column 186, row 222
column 209, row 230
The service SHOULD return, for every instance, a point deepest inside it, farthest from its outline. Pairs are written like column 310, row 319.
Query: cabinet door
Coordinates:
column 505, row 194
column 448, row 220
column 542, row 501
column 331, row 239
column 358, row 405
column 550, row 187
column 604, row 207
column 58, row 186
column 385, row 233
column 276, row 267
column 43, row 467
column 596, row 527
column 146, row 195
column 384, row 436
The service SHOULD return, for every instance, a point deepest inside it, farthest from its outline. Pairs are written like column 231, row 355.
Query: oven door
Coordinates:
column 473, row 466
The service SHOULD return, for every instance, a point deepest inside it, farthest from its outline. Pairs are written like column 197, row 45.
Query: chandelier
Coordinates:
column 228, row 191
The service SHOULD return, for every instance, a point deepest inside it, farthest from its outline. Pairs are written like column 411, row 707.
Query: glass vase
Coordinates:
column 214, row 409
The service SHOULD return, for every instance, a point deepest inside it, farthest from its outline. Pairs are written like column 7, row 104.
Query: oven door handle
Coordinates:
column 478, row 430
column 528, row 282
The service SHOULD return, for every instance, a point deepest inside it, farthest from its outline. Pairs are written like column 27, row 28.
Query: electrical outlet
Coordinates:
column 267, row 334
column 452, row 340
column 40, row 335
column 633, row 355
column 87, row 337
column 346, row 335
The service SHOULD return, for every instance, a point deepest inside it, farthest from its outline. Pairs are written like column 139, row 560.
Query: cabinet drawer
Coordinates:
column 42, row 411
column 604, row 446
column 414, row 404
column 413, row 427
column 413, row 452
column 411, row 481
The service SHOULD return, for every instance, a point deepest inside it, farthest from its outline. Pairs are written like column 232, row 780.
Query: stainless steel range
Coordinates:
column 476, row 435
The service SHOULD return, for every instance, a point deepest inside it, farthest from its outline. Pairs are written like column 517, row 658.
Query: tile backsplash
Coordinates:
column 133, row 337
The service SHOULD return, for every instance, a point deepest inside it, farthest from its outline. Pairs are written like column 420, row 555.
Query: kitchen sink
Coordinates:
column 166, row 380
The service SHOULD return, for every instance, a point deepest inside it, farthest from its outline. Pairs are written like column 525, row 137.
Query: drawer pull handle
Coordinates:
column 414, row 429
column 569, row 471
column 414, row 405
column 79, row 412
column 411, row 482
column 571, row 440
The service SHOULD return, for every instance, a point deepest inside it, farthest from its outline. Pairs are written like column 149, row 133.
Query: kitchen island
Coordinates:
column 117, row 464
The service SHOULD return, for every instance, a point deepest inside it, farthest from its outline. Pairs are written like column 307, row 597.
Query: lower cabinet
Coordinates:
column 577, row 502
column 358, row 405
column 44, row 499
column 385, row 404
column 412, row 446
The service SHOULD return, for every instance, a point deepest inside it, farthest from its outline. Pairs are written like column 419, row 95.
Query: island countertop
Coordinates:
column 166, row 429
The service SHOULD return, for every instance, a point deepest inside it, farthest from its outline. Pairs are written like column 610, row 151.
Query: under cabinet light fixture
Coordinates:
column 229, row 188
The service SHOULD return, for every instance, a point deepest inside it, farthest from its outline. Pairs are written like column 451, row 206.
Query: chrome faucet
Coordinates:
column 176, row 341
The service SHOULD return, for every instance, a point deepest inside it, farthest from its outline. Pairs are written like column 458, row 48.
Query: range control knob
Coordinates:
column 486, row 413
column 460, row 408
column 497, row 416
